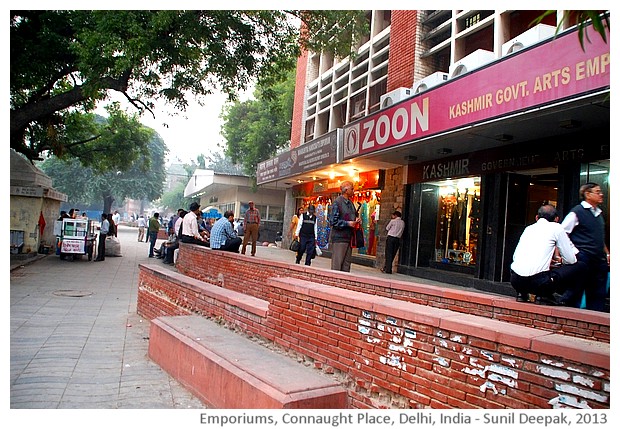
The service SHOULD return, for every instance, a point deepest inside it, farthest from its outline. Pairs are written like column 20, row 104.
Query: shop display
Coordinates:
column 368, row 203
column 458, row 223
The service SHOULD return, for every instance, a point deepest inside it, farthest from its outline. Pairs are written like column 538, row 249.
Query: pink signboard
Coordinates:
column 547, row 73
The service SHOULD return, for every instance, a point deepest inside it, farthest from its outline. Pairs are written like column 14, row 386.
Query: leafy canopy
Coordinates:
column 142, row 181
column 254, row 130
column 63, row 62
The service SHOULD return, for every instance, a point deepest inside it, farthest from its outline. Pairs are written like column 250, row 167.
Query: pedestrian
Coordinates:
column 103, row 234
column 586, row 228
column 154, row 226
column 530, row 272
column 112, row 231
column 307, row 233
column 223, row 236
column 394, row 228
column 191, row 233
column 178, row 232
column 343, row 222
column 116, row 217
column 295, row 222
column 141, row 228
column 251, row 222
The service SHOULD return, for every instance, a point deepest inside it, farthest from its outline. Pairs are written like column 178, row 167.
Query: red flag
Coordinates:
column 41, row 223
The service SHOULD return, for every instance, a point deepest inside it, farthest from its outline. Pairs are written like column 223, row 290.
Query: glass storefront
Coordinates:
column 457, row 208
column 366, row 199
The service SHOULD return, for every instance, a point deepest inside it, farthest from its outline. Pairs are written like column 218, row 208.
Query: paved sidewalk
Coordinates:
column 76, row 340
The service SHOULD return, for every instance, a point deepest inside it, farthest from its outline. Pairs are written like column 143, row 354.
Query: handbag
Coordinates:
column 357, row 239
column 294, row 245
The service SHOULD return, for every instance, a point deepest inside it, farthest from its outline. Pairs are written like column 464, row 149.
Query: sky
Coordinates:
column 186, row 134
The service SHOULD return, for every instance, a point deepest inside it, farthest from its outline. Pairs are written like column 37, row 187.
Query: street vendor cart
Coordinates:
column 75, row 237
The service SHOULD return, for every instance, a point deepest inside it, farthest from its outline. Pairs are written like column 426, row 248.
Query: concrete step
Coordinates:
column 227, row 370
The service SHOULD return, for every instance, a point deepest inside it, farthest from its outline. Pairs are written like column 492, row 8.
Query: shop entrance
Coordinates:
column 527, row 191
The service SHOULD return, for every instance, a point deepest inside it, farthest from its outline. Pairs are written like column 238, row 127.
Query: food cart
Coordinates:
column 75, row 237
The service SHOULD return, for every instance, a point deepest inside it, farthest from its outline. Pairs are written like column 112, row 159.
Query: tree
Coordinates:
column 142, row 181
column 255, row 130
column 63, row 62
column 598, row 19
column 173, row 199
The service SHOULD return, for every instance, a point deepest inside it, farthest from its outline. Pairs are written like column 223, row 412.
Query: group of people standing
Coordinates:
column 343, row 221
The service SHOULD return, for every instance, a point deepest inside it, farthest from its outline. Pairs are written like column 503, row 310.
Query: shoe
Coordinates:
column 545, row 300
column 521, row 297
column 151, row 256
column 559, row 299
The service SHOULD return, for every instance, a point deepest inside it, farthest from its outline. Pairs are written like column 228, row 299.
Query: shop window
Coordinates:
column 275, row 213
column 458, row 221
column 367, row 201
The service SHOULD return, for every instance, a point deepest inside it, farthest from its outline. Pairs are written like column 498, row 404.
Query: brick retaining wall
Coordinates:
column 392, row 353
column 239, row 273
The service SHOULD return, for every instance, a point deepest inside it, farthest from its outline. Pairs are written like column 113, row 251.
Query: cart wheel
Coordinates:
column 70, row 258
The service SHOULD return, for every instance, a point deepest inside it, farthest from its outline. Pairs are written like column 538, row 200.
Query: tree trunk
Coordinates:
column 107, row 203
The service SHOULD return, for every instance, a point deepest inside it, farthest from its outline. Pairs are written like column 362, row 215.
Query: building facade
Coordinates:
column 219, row 192
column 464, row 120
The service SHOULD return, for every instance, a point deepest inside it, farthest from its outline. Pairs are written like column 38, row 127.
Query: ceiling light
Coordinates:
column 503, row 137
column 569, row 124
column 410, row 158
column 444, row 151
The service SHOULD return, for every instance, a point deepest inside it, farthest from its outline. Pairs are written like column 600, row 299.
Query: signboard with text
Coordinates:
column 553, row 71
column 72, row 246
column 311, row 156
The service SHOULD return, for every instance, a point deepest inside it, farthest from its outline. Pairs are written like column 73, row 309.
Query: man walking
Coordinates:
column 307, row 232
column 251, row 221
column 141, row 228
column 394, row 229
column 103, row 234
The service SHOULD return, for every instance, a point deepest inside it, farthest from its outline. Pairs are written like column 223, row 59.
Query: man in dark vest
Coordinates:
column 307, row 233
column 586, row 228
column 343, row 221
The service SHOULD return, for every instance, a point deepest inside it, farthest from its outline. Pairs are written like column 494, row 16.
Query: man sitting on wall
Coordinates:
column 530, row 273
column 223, row 236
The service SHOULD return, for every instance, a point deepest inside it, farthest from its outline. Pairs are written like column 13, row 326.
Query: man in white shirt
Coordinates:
column 530, row 272
column 191, row 233
column 141, row 228
column 103, row 234
column 394, row 228
column 585, row 226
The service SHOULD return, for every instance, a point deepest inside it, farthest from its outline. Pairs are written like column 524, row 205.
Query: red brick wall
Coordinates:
column 297, row 123
column 396, row 354
column 401, row 63
column 239, row 273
